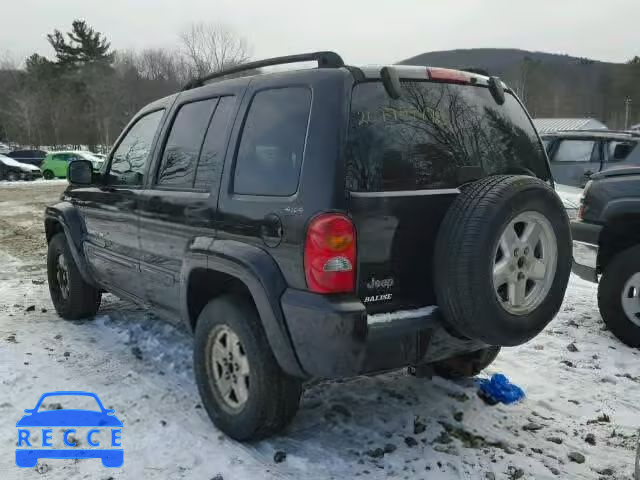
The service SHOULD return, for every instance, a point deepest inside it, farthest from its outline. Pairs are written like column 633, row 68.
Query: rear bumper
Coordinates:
column 585, row 249
column 334, row 337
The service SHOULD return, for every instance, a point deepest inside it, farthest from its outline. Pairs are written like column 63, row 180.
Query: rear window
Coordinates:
column 437, row 135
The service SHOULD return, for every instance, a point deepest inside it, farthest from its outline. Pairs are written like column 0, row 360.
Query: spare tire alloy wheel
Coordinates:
column 525, row 263
column 502, row 259
column 631, row 299
column 229, row 368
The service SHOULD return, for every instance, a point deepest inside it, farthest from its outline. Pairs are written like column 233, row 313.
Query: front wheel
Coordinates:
column 619, row 296
column 243, row 389
column 72, row 297
column 13, row 176
column 47, row 175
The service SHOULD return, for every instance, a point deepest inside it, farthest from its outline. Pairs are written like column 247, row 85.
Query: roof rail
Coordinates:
column 631, row 133
column 324, row 59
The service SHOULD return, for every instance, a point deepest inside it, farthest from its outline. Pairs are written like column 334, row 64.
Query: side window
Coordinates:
column 180, row 156
column 130, row 159
column 574, row 151
column 618, row 151
column 212, row 154
column 272, row 144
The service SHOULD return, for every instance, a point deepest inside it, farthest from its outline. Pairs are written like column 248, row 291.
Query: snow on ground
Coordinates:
column 389, row 426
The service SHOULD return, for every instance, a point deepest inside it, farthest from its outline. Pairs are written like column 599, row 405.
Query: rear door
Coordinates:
column 405, row 160
column 178, row 206
column 574, row 160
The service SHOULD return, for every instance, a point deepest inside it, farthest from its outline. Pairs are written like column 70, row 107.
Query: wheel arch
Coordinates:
column 620, row 232
column 64, row 218
column 227, row 266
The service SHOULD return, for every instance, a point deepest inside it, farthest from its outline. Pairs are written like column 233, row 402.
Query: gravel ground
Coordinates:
column 578, row 420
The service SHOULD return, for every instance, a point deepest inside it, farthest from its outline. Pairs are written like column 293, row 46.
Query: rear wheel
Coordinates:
column 47, row 175
column 467, row 365
column 503, row 259
column 619, row 296
column 243, row 389
column 72, row 297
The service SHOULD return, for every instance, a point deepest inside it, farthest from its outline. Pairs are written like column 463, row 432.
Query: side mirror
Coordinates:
column 29, row 410
column 80, row 172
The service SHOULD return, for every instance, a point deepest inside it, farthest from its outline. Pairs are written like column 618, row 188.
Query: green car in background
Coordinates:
column 56, row 164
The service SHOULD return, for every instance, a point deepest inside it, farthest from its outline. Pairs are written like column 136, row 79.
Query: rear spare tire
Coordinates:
column 503, row 259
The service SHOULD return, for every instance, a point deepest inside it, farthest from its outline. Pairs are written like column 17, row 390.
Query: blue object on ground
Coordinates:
column 499, row 389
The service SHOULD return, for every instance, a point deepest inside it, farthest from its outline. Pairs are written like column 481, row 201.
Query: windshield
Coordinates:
column 437, row 135
column 69, row 402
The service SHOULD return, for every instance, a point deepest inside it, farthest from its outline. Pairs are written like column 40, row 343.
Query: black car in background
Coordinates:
column 13, row 170
column 32, row 157
column 576, row 155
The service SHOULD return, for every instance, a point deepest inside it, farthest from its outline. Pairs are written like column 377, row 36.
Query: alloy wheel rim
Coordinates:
column 631, row 299
column 62, row 275
column 230, row 368
column 525, row 262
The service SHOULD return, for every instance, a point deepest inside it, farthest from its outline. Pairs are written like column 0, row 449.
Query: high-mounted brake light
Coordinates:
column 448, row 75
column 330, row 254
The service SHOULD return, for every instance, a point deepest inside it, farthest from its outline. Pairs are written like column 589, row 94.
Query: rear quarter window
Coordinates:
column 437, row 135
column 273, row 140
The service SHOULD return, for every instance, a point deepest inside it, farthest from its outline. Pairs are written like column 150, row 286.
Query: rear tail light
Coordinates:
column 330, row 254
column 448, row 75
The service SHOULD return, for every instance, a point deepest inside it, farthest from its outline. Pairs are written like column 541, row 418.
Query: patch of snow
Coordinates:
column 388, row 317
column 32, row 183
column 360, row 427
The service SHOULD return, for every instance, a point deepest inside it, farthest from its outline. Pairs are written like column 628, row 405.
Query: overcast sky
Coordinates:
column 373, row 31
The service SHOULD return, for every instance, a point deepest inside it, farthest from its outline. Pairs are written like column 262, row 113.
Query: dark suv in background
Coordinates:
column 606, row 248
column 320, row 223
column 577, row 154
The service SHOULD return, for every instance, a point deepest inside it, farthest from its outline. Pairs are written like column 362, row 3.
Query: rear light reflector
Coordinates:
column 448, row 75
column 330, row 254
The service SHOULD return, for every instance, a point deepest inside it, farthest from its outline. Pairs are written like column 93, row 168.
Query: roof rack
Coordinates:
column 324, row 59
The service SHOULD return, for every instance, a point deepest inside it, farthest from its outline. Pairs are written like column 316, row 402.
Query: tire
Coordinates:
column 470, row 245
column 13, row 176
column 47, row 175
column 618, row 275
column 467, row 365
column 273, row 396
column 79, row 299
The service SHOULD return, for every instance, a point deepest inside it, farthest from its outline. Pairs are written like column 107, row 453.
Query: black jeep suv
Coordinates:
column 320, row 223
column 606, row 247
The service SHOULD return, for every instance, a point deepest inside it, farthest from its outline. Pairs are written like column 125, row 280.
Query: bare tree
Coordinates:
column 210, row 47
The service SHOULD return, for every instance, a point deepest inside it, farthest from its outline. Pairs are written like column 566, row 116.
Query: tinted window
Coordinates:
column 574, row 151
column 436, row 135
column 272, row 145
column 180, row 156
column 129, row 161
column 213, row 150
column 619, row 151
